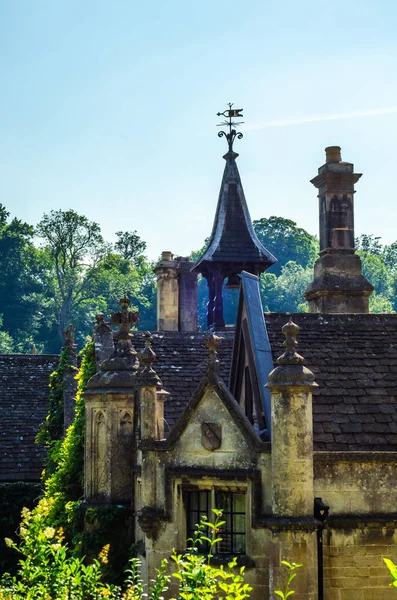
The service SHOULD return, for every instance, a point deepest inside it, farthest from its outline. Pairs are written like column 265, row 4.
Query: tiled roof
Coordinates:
column 181, row 362
column 23, row 407
column 354, row 359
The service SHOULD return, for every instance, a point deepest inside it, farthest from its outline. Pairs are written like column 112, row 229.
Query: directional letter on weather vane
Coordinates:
column 230, row 114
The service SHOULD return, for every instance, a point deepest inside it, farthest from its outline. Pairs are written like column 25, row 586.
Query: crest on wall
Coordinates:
column 211, row 435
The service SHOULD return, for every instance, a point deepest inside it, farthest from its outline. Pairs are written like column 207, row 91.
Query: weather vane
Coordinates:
column 231, row 113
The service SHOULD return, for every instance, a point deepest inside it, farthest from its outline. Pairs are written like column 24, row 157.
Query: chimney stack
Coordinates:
column 339, row 285
column 177, row 295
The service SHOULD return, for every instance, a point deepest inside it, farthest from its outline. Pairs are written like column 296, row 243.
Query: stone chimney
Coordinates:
column 176, row 294
column 339, row 285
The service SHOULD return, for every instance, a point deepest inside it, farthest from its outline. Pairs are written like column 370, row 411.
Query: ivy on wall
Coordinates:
column 61, row 490
column 51, row 431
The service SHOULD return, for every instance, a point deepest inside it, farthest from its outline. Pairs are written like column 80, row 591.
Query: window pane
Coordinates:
column 223, row 502
column 239, row 523
column 193, row 500
column 239, row 544
column 225, row 546
column 204, row 503
column 239, row 503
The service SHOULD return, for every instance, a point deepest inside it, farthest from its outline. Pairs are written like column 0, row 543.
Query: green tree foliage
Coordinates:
column 379, row 264
column 75, row 246
column 20, row 284
column 285, row 293
column 71, row 277
column 6, row 341
column 129, row 245
column 287, row 242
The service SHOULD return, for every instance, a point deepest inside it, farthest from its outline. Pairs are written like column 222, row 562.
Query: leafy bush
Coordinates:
column 49, row 570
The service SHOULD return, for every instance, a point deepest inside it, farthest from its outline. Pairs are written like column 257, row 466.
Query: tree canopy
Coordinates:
column 64, row 271
column 287, row 242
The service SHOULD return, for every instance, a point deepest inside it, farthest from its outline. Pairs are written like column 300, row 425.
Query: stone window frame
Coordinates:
column 213, row 488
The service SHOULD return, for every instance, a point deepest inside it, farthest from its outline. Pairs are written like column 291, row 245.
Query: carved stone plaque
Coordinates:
column 211, row 435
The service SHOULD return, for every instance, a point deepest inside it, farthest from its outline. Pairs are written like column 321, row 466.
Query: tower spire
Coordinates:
column 234, row 246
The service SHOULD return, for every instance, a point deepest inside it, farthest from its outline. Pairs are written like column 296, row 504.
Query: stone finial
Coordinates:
column 125, row 320
column 290, row 356
column 119, row 369
column 69, row 345
column 213, row 342
column 100, row 319
column 34, row 349
column 68, row 336
column 146, row 359
column 290, row 370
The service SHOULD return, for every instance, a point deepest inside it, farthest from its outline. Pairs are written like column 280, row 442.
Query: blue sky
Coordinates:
column 109, row 108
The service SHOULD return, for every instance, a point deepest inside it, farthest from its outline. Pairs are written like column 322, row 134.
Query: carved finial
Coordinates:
column 230, row 113
column 147, row 356
column 34, row 349
column 125, row 320
column 100, row 319
column 68, row 336
column 146, row 359
column 291, row 370
column 213, row 342
column 290, row 356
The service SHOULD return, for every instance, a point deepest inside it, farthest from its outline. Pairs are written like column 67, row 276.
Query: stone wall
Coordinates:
column 353, row 561
column 361, row 491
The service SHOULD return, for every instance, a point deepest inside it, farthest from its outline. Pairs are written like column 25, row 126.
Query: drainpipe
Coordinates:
column 321, row 512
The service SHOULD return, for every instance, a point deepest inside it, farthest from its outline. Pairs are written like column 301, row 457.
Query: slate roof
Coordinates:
column 24, row 394
column 182, row 360
column 354, row 359
column 233, row 238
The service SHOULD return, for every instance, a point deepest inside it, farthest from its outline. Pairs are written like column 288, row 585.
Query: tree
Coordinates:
column 6, row 341
column 288, row 242
column 285, row 293
column 20, row 282
column 75, row 246
column 369, row 243
column 112, row 278
column 129, row 245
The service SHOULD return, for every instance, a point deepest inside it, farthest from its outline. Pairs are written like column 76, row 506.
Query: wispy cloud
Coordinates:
column 319, row 118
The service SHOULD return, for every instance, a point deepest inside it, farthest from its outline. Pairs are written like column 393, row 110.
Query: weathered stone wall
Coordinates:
column 353, row 561
column 361, row 490
column 234, row 466
column 356, row 483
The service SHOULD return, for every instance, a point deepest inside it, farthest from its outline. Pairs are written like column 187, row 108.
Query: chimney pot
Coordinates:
column 166, row 255
column 333, row 154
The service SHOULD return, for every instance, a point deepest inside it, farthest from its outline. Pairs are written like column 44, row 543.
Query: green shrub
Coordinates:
column 49, row 570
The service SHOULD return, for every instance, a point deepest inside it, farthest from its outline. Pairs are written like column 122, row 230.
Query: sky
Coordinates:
column 109, row 108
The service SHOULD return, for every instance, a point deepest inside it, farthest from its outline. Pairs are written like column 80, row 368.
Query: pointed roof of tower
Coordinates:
column 233, row 239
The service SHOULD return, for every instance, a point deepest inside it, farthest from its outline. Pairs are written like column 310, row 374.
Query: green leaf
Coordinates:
column 279, row 593
column 287, row 564
column 392, row 568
